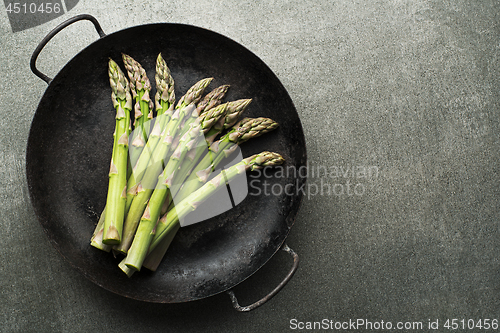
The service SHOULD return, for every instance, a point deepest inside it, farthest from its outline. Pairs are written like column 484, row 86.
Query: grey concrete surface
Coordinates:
column 408, row 90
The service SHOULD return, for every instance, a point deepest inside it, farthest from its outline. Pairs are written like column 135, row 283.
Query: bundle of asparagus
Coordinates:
column 161, row 166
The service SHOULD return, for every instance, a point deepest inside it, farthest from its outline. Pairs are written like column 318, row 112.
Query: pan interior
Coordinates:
column 70, row 145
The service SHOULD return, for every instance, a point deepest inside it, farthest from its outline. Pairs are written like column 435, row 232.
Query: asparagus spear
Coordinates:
column 233, row 111
column 96, row 240
column 116, row 199
column 210, row 101
column 154, row 258
column 165, row 99
column 158, row 156
column 158, row 196
column 165, row 94
column 189, row 203
column 246, row 129
column 168, row 222
column 189, row 140
column 143, row 108
column 230, row 118
column 204, row 107
column 243, row 131
column 184, row 108
column 125, row 269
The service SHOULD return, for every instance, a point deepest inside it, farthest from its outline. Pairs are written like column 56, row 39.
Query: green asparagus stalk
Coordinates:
column 125, row 269
column 230, row 118
column 210, row 101
column 233, row 111
column 136, row 254
column 96, row 240
column 153, row 210
column 193, row 200
column 158, row 159
column 165, row 99
column 245, row 130
column 116, row 198
column 154, row 258
column 143, row 108
column 189, row 141
column 184, row 108
column 165, row 94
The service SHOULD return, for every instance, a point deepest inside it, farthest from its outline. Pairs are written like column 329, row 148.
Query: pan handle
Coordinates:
column 280, row 286
column 53, row 33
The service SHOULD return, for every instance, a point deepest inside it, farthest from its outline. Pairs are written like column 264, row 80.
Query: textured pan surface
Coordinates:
column 70, row 144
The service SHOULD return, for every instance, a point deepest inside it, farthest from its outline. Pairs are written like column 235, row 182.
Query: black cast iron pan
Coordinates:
column 69, row 147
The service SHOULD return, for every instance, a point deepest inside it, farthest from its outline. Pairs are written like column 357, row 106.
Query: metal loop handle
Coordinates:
column 280, row 286
column 53, row 33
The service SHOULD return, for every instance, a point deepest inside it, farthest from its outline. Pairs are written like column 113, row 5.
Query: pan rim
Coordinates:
column 292, row 213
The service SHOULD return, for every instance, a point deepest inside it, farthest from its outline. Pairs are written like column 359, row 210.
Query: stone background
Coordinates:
column 409, row 88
